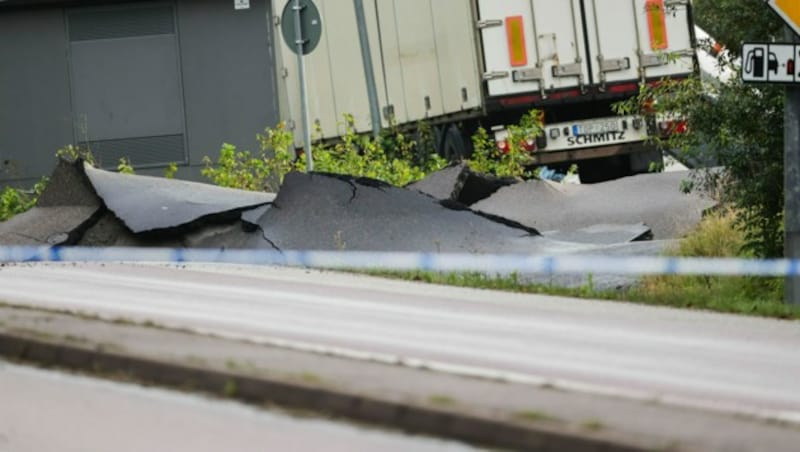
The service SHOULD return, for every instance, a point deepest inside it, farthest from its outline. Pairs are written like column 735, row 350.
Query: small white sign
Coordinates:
column 770, row 63
column 241, row 4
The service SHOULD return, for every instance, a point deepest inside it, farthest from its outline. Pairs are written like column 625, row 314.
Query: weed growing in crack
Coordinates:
column 534, row 416
column 593, row 425
column 231, row 389
column 441, row 400
column 339, row 242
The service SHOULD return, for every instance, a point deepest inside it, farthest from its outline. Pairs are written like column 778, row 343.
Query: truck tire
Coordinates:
column 452, row 145
column 604, row 169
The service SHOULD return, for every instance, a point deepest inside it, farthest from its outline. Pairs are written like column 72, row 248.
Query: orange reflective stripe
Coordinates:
column 657, row 22
column 515, row 32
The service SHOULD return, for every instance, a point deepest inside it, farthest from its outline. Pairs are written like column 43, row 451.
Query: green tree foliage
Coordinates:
column 736, row 126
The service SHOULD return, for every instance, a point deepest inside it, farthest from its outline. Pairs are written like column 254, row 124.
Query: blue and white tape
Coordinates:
column 439, row 262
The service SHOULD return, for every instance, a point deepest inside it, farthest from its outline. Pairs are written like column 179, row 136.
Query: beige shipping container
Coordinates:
column 425, row 61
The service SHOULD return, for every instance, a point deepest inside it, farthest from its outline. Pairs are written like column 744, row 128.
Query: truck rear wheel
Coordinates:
column 604, row 169
column 452, row 145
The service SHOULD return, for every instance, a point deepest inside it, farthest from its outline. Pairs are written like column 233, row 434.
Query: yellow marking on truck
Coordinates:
column 515, row 31
column 657, row 23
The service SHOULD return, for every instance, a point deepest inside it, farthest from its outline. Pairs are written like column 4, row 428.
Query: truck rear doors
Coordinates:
column 532, row 45
column 548, row 46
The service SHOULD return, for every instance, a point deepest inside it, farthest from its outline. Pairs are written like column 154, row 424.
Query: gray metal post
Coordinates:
column 791, row 163
column 369, row 72
column 300, row 42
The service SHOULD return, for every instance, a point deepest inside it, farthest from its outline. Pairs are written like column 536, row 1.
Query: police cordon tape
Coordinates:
column 403, row 261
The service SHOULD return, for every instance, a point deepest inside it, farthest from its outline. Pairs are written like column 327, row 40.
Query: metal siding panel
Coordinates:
column 457, row 55
column 613, row 34
column 417, row 51
column 623, row 31
column 561, row 39
column 336, row 69
column 228, row 74
column 347, row 69
column 113, row 23
column 679, row 39
column 395, row 86
column 495, row 45
column 146, row 151
column 34, row 93
column 126, row 88
column 375, row 41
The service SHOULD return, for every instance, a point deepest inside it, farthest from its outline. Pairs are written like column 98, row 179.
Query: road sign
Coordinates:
column 771, row 63
column 301, row 25
column 310, row 25
column 789, row 10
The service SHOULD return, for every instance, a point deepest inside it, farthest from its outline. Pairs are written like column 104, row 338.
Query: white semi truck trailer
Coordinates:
column 460, row 64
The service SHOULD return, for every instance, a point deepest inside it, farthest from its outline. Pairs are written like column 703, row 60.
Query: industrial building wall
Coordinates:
column 158, row 82
column 228, row 74
column 35, row 111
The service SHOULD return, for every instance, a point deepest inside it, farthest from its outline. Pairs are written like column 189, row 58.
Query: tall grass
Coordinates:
column 716, row 236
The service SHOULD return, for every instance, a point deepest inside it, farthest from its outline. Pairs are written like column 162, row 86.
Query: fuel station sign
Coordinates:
column 771, row 63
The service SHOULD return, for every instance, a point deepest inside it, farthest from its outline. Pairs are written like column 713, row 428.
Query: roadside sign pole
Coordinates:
column 369, row 72
column 300, row 43
column 791, row 168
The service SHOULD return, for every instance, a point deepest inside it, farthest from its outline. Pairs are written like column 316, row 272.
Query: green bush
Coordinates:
column 14, row 201
column 390, row 158
column 516, row 161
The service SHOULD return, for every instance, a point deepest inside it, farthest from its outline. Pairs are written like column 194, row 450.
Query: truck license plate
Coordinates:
column 591, row 128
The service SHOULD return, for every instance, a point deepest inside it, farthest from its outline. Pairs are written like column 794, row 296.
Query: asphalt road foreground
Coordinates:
column 483, row 411
column 50, row 411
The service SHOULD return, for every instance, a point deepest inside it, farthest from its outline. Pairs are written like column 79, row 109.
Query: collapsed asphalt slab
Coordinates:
column 329, row 212
column 460, row 183
column 604, row 234
column 67, row 207
column 653, row 199
column 151, row 204
column 85, row 206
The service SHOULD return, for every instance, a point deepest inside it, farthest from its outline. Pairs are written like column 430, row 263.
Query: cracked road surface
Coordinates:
column 45, row 411
column 719, row 362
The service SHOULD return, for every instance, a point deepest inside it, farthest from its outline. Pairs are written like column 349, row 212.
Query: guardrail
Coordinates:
column 401, row 261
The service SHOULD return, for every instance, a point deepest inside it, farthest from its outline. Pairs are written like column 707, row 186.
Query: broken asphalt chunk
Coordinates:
column 154, row 204
column 653, row 199
column 460, row 183
column 326, row 212
column 42, row 226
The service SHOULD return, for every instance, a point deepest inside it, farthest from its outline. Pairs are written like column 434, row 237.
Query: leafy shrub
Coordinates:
column 14, row 201
column 124, row 166
column 170, row 170
column 72, row 153
column 389, row 158
column 514, row 162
